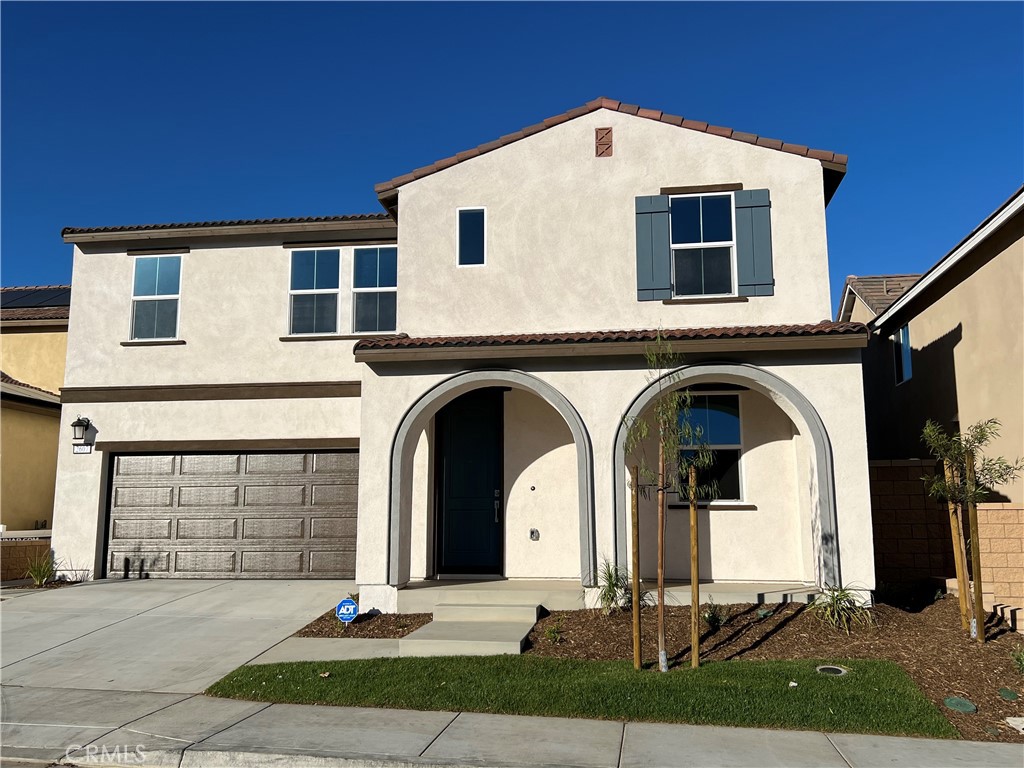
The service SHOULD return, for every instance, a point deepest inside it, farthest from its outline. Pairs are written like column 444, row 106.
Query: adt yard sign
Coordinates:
column 347, row 610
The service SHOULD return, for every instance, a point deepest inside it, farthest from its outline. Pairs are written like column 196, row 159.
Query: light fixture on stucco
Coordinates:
column 79, row 427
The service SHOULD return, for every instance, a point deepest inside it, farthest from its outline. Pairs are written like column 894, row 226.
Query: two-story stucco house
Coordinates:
column 441, row 391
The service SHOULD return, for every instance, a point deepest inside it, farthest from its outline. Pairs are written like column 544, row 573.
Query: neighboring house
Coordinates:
column 33, row 336
column 867, row 296
column 441, row 391
column 950, row 347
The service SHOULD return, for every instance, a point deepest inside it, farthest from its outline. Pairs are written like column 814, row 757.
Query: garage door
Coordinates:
column 233, row 515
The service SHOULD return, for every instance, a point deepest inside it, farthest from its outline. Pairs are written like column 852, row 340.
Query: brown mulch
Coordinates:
column 929, row 645
column 383, row 626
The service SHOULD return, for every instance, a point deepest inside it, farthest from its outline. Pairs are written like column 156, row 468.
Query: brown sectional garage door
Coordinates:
column 233, row 515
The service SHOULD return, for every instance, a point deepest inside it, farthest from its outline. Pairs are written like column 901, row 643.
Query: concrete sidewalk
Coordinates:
column 187, row 731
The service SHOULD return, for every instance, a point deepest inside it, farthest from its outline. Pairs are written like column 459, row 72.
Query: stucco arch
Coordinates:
column 797, row 407
column 416, row 419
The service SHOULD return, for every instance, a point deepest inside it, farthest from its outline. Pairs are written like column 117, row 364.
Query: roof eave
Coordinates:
column 99, row 236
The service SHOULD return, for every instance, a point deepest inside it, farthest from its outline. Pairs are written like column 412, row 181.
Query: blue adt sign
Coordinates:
column 347, row 610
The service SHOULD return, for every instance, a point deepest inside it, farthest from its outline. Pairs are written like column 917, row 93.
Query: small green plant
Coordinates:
column 553, row 633
column 1017, row 657
column 41, row 569
column 615, row 589
column 713, row 615
column 838, row 607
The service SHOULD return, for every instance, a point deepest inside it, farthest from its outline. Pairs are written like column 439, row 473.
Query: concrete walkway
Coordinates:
column 182, row 731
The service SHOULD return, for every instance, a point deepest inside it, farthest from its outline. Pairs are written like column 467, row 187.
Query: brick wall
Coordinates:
column 1001, row 542
column 15, row 555
column 911, row 529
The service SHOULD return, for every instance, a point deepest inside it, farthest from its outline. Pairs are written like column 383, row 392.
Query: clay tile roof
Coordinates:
column 880, row 291
column 6, row 379
column 837, row 162
column 824, row 328
column 230, row 222
column 35, row 302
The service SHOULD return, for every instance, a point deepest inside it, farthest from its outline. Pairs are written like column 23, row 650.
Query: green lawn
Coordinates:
column 875, row 697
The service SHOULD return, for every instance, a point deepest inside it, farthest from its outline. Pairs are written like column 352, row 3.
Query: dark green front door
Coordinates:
column 470, row 520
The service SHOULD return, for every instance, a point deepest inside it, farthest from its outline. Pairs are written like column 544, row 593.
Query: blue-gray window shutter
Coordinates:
column 653, row 249
column 754, row 243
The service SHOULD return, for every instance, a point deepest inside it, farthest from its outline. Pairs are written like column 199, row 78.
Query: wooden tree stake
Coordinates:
column 634, row 475
column 662, row 653
column 694, row 574
column 956, row 530
column 972, row 517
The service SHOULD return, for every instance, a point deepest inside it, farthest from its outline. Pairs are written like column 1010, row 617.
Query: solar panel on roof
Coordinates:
column 60, row 297
column 8, row 298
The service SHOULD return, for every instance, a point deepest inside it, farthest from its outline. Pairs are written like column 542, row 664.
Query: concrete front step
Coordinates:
column 466, row 638
column 504, row 612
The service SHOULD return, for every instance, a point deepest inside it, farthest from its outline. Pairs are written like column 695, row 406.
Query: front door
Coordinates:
column 468, row 437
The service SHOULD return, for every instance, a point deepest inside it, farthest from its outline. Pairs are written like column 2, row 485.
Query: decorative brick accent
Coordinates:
column 15, row 555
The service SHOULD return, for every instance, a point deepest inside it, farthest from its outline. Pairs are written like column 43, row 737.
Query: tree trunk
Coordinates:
column 662, row 653
column 634, row 474
column 972, row 516
column 694, row 574
column 957, row 533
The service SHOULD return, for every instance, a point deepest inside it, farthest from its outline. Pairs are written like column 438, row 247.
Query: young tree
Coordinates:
column 967, row 479
column 680, row 446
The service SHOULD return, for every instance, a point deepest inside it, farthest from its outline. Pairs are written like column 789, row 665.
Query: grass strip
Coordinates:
column 875, row 697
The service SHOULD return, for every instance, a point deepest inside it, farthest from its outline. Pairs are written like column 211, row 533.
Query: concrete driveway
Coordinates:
column 170, row 636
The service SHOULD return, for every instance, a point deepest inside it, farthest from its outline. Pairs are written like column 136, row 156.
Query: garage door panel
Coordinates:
column 286, row 515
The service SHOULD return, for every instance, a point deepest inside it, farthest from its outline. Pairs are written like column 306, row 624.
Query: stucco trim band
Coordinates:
column 178, row 392
column 416, row 418
column 767, row 383
column 184, row 446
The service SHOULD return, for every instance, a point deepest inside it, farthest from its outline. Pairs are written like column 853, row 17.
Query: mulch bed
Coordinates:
column 929, row 645
column 384, row 626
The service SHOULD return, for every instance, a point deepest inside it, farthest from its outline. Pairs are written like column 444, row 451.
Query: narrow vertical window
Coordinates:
column 155, row 296
column 901, row 354
column 472, row 237
column 374, row 290
column 314, row 292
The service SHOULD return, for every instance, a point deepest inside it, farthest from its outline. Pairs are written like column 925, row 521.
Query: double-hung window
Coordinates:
column 717, row 419
column 901, row 354
column 374, row 289
column 155, row 296
column 314, row 291
column 703, row 244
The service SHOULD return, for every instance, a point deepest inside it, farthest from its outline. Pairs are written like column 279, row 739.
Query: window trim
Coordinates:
column 156, row 297
column 458, row 239
column 731, row 244
column 313, row 291
column 726, row 447
column 899, row 370
column 378, row 289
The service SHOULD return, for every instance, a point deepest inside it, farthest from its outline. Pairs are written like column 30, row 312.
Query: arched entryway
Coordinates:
column 416, row 420
column 824, row 523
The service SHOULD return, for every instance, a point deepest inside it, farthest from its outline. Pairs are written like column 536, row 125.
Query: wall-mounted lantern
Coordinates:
column 79, row 427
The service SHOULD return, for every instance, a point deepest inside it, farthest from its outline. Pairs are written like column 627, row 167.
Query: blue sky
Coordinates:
column 130, row 113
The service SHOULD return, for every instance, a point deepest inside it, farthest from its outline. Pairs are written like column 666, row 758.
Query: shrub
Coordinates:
column 41, row 569
column 553, row 634
column 837, row 607
column 713, row 615
column 1017, row 656
column 615, row 589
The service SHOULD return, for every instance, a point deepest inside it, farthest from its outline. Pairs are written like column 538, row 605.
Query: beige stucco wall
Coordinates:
column 28, row 459
column 601, row 395
column 764, row 538
column 561, row 248
column 967, row 337
column 233, row 312
column 35, row 356
column 79, row 505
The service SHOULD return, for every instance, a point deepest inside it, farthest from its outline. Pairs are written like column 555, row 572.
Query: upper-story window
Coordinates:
column 374, row 289
column 155, row 295
column 901, row 354
column 471, row 237
column 314, row 291
column 703, row 244
column 718, row 417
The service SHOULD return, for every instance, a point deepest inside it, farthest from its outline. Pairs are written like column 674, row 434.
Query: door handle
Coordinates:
column 496, row 504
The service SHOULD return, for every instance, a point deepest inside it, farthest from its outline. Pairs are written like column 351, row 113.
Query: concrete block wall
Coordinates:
column 15, row 555
column 1001, row 542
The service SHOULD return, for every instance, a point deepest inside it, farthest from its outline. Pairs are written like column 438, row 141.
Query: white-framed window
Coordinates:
column 901, row 354
column 703, row 235
column 156, row 294
column 374, row 289
column 471, row 236
column 717, row 415
column 313, row 291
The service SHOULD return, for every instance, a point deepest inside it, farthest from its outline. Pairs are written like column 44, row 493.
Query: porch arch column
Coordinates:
column 416, row 419
column 797, row 407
